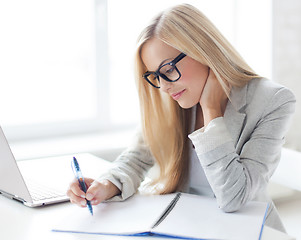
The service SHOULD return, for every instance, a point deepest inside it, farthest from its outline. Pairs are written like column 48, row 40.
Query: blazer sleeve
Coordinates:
column 130, row 168
column 236, row 178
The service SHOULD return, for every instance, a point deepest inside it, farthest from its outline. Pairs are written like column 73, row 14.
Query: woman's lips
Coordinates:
column 177, row 95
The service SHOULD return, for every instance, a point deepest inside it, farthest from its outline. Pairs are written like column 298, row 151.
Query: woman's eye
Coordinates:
column 170, row 70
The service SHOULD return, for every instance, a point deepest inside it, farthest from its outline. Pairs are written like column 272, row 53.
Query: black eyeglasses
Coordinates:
column 168, row 71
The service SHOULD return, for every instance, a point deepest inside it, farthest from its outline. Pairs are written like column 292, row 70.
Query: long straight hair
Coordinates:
column 164, row 123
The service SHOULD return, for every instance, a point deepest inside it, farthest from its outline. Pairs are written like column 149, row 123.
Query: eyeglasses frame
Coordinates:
column 158, row 74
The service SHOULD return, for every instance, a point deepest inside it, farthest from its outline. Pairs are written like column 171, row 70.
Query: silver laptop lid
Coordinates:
column 11, row 180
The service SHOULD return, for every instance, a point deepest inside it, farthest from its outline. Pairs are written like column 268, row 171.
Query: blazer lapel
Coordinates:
column 234, row 115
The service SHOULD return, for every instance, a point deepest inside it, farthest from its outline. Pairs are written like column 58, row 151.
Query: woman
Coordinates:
column 213, row 125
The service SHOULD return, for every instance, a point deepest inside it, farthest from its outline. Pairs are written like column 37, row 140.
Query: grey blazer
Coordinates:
column 238, row 152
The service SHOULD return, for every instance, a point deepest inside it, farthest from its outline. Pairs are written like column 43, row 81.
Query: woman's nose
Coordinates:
column 164, row 85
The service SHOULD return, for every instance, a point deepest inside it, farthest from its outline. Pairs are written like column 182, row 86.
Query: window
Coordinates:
column 67, row 65
column 48, row 67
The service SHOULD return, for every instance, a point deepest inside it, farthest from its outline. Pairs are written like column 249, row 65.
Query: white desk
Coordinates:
column 20, row 222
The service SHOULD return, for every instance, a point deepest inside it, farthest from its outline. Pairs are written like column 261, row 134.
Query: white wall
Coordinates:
column 287, row 57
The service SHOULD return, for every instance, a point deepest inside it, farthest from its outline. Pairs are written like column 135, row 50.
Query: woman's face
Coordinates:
column 188, row 89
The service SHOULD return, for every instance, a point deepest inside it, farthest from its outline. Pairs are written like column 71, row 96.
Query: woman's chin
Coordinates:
column 185, row 105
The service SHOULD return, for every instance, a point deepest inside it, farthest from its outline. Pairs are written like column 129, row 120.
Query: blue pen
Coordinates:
column 80, row 178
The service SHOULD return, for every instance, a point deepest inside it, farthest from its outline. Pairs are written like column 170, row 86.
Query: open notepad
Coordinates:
column 178, row 215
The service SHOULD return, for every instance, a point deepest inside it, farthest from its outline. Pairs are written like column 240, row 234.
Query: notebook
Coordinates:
column 178, row 215
column 39, row 182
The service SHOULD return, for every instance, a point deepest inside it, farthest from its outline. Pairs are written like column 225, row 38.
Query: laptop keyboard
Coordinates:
column 41, row 192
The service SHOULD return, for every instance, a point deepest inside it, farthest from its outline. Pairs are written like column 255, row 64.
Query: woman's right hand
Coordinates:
column 213, row 99
column 97, row 192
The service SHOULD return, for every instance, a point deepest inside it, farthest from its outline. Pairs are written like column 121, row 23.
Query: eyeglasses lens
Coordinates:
column 153, row 79
column 170, row 72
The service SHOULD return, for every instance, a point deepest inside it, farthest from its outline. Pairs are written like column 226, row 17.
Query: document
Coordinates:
column 179, row 215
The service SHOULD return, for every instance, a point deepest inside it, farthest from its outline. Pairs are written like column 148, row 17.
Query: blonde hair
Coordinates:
column 164, row 122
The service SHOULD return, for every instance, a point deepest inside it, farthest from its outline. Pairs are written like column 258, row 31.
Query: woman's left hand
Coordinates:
column 213, row 99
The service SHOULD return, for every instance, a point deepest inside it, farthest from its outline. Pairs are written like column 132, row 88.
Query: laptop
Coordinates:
column 39, row 182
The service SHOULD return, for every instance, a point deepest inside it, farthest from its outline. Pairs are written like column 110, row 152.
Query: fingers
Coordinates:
column 76, row 195
column 213, row 94
column 81, row 202
column 76, row 190
column 211, row 74
column 96, row 193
